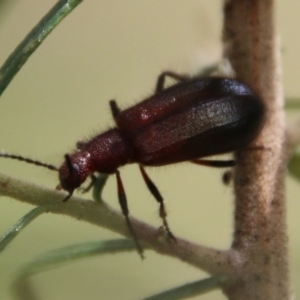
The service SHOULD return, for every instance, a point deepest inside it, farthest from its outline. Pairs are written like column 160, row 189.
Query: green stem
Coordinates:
column 292, row 103
column 190, row 289
column 10, row 234
column 31, row 42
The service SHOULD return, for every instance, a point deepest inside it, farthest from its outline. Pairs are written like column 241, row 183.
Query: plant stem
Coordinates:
column 260, row 215
column 31, row 42
column 214, row 261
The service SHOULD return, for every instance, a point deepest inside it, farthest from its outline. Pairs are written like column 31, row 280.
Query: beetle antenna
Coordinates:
column 29, row 161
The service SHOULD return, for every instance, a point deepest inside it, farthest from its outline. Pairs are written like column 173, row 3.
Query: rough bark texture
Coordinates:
column 260, row 229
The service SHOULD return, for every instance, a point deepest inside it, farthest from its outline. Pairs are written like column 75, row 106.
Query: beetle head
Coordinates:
column 74, row 171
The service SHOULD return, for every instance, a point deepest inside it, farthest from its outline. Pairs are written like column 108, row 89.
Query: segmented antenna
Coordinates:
column 28, row 160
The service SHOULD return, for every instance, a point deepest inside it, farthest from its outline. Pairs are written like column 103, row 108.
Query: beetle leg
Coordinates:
column 214, row 163
column 125, row 211
column 115, row 110
column 156, row 194
column 91, row 184
column 227, row 177
column 160, row 84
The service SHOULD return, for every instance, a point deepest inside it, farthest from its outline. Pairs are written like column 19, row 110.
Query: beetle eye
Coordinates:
column 73, row 168
column 73, row 177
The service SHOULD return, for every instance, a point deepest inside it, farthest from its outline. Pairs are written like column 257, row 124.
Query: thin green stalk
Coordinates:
column 10, row 234
column 23, row 289
column 31, row 42
column 190, row 289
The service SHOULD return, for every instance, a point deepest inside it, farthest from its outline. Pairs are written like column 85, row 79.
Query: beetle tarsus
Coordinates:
column 67, row 197
column 163, row 215
column 139, row 248
column 160, row 84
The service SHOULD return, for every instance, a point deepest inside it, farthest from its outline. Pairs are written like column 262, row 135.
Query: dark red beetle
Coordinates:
column 192, row 119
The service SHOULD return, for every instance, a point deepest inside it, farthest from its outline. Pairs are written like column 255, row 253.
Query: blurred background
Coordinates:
column 115, row 50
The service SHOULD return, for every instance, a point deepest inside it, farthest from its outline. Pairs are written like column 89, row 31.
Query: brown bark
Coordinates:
column 260, row 214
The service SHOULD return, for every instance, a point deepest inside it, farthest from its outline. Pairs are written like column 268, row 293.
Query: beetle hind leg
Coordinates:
column 157, row 195
column 214, row 163
column 123, row 203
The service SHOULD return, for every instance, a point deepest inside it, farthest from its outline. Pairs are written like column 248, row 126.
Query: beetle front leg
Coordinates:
column 123, row 203
column 156, row 194
column 160, row 84
column 115, row 110
column 91, row 185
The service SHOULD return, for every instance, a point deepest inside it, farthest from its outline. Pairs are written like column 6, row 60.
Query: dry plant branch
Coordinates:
column 260, row 214
column 211, row 260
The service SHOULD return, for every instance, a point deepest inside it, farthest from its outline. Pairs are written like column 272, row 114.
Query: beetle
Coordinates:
column 194, row 118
